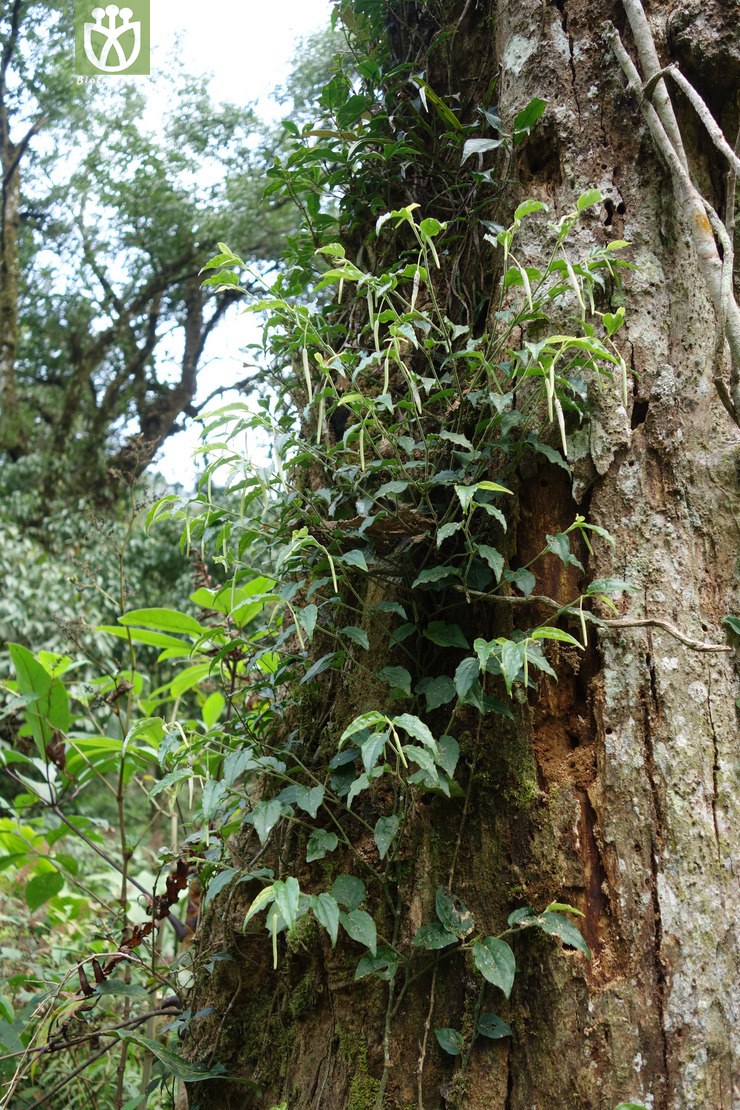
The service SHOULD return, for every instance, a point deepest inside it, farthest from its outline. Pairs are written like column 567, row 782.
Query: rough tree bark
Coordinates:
column 619, row 797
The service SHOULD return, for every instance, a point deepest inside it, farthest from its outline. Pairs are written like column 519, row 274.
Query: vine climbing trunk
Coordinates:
column 612, row 789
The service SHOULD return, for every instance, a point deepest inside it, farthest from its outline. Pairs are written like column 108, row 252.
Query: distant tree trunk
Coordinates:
column 10, row 434
column 616, row 793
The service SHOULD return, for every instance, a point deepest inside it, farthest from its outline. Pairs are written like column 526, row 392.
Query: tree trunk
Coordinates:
column 614, row 791
column 10, row 430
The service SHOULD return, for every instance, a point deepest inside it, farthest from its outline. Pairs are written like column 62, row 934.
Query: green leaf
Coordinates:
column 353, row 558
column 516, row 917
column 588, row 199
column 613, row 320
column 453, row 914
column 446, row 635
column 424, row 760
column 361, row 927
column 384, row 964
column 479, row 146
column 309, row 799
column 416, row 728
column 492, row 487
column 391, row 488
column 450, row 1041
column 371, row 750
column 489, row 1025
column 391, row 607
column 219, row 882
column 326, row 912
column 556, row 926
column 433, row 936
column 362, row 782
column 321, row 665
column 164, row 620
column 527, row 207
column 146, row 636
column 511, row 661
column 733, row 623
column 465, row 494
column 357, row 635
column 548, row 632
column 449, row 753
column 398, row 678
column 448, row 530
column 401, row 633
column 47, row 707
column 630, row 1106
column 385, row 829
column 42, row 887
column 434, row 574
column 171, row 1062
column 493, row 557
column 523, row 579
column 466, row 674
column 437, row 691
column 265, row 816
column 287, row 896
column 430, row 227
column 212, row 708
column 365, row 721
column 525, row 121
column 306, row 618
column 263, row 899
column 495, row 960
column 214, row 791
column 349, row 891
column 189, row 678
column 320, row 842
column 563, row 907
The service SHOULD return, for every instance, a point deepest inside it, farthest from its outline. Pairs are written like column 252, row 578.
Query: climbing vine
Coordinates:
column 361, row 607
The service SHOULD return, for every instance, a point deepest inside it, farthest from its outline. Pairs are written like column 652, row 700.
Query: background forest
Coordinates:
column 376, row 770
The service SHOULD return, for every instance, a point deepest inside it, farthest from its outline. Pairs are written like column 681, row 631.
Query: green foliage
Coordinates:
column 380, row 548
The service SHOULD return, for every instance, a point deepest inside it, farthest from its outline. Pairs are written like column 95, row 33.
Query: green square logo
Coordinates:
column 111, row 41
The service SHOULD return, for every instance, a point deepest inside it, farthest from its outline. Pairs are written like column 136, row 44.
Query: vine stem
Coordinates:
column 450, row 881
column 604, row 622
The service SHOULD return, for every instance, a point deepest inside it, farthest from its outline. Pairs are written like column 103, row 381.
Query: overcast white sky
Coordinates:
column 247, row 45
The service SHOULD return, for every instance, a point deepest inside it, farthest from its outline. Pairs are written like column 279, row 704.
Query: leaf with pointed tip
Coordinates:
column 265, row 816
column 360, row 926
column 466, row 674
column 309, row 799
column 495, row 961
column 287, row 895
column 385, row 829
column 326, row 912
column 437, row 691
column 450, row 1041
column 416, row 728
column 446, row 635
column 491, row 1026
column 398, row 678
column 453, row 914
column 433, row 936
column 556, row 926
column 320, row 842
column 349, row 891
